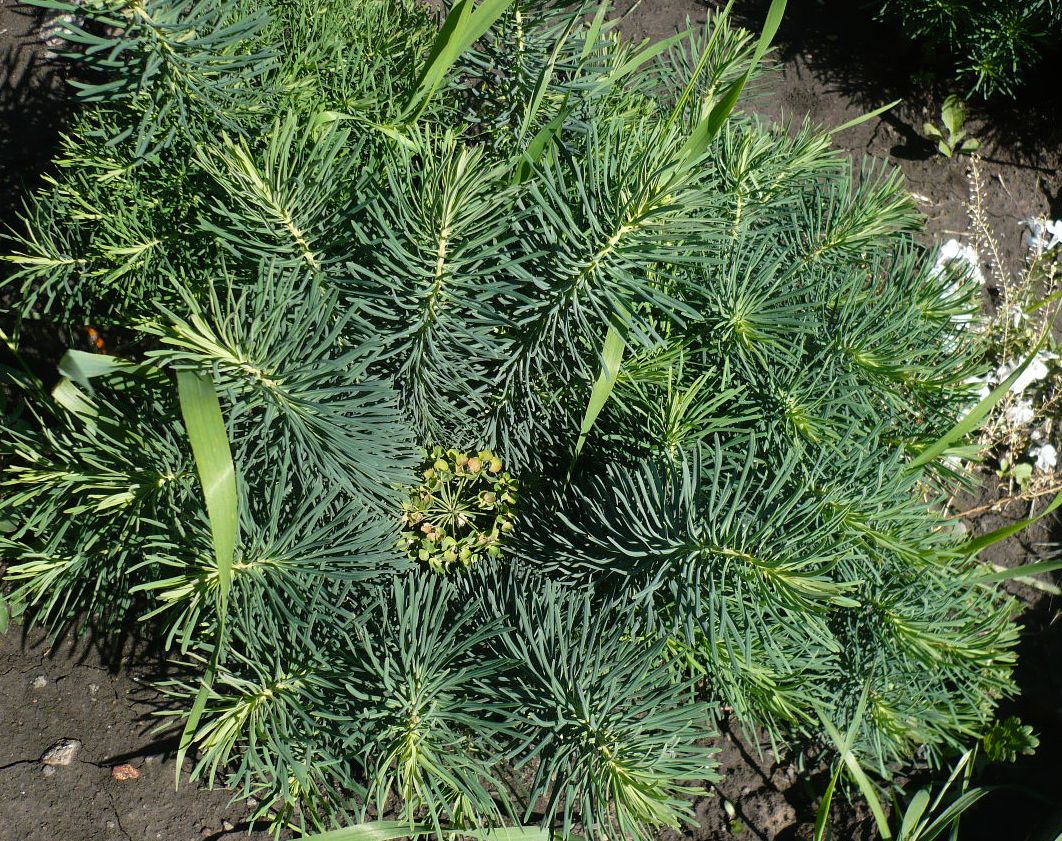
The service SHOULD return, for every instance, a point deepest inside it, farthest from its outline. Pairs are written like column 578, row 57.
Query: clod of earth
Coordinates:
column 62, row 752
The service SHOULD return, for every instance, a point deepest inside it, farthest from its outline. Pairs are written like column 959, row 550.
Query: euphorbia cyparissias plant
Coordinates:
column 374, row 239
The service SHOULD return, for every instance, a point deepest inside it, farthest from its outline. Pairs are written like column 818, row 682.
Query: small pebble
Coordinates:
column 111, row 825
column 39, row 682
column 48, row 770
column 125, row 772
column 62, row 752
column 94, row 688
column 228, row 827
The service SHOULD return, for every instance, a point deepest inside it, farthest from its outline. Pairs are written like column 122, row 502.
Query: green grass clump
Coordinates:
column 327, row 239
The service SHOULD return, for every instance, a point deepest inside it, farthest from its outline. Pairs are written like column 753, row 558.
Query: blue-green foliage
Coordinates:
column 245, row 197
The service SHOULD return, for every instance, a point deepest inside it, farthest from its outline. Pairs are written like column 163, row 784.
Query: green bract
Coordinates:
column 716, row 359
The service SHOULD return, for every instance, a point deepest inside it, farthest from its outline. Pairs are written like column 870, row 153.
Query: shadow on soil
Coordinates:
column 33, row 106
column 870, row 62
column 1028, row 804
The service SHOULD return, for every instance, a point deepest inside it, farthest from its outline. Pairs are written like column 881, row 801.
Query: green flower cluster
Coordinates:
column 461, row 512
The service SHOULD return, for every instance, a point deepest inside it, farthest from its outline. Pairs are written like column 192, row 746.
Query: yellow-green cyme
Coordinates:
column 461, row 512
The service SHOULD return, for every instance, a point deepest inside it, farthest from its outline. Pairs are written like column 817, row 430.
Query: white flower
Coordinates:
column 1020, row 413
column 1044, row 234
column 1053, row 228
column 954, row 251
column 1046, row 457
column 1034, row 371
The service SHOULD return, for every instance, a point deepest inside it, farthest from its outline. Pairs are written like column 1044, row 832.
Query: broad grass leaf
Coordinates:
column 464, row 25
column 213, row 459
column 389, row 830
column 612, row 350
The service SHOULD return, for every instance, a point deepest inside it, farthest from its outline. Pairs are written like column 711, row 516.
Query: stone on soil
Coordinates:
column 62, row 752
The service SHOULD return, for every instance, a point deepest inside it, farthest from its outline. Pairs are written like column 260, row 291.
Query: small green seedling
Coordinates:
column 1020, row 471
column 737, row 827
column 1008, row 739
column 956, row 139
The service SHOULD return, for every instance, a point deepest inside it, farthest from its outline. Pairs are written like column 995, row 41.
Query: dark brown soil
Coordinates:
column 48, row 695
column 834, row 66
column 33, row 105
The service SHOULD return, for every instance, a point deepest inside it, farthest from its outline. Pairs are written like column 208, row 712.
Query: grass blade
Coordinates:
column 390, row 830
column 862, row 118
column 508, row 833
column 869, row 793
column 644, row 54
column 462, row 28
column 949, row 818
column 973, row 547
column 71, row 398
column 539, row 144
column 706, row 130
column 1019, row 572
column 915, row 810
column 213, row 460
column 374, row 831
column 545, row 136
column 198, row 706
column 721, row 19
column 611, row 361
column 81, row 367
column 855, row 770
column 822, row 817
column 542, row 85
